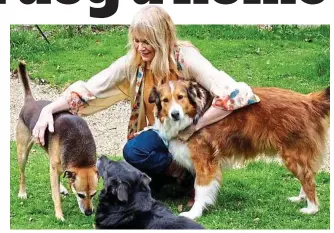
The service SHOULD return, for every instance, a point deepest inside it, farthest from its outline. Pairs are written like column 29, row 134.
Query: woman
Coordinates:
column 155, row 55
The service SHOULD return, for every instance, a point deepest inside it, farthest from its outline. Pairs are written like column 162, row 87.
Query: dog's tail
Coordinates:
column 24, row 79
column 321, row 102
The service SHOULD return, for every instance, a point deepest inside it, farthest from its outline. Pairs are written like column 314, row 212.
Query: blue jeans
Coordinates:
column 148, row 153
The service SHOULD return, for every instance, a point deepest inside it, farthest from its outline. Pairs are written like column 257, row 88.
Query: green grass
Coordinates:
column 289, row 56
column 254, row 197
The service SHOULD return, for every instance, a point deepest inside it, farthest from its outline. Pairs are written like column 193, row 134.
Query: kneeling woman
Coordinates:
column 155, row 56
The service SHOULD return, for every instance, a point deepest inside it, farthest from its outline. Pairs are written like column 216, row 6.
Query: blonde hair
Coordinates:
column 155, row 25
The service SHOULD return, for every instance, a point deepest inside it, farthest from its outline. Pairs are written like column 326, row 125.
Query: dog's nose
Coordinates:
column 88, row 212
column 100, row 160
column 175, row 115
column 98, row 163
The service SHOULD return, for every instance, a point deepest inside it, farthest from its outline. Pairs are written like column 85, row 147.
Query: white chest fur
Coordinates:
column 168, row 130
column 181, row 154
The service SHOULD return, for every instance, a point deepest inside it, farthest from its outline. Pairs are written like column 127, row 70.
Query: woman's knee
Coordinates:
column 139, row 147
column 128, row 152
column 147, row 152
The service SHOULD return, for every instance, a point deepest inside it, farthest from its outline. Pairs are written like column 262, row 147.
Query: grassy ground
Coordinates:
column 251, row 198
column 254, row 197
column 288, row 56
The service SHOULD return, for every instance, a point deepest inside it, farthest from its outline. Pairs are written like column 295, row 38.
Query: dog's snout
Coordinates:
column 88, row 212
column 175, row 115
column 101, row 159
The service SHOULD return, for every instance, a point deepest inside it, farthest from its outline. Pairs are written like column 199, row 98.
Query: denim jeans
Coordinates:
column 148, row 153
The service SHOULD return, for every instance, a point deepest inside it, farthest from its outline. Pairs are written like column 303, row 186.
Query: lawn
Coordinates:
column 288, row 57
column 254, row 197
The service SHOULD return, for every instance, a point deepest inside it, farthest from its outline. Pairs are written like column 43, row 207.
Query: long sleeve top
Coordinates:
column 119, row 81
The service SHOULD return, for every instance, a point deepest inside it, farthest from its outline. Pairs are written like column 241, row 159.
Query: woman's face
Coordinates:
column 145, row 50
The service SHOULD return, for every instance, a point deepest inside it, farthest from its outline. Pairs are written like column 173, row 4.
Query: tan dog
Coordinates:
column 71, row 149
column 286, row 123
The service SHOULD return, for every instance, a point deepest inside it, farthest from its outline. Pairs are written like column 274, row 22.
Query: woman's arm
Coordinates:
column 229, row 94
column 46, row 118
column 100, row 91
column 85, row 98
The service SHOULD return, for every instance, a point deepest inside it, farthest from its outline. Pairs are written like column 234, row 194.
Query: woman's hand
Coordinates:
column 185, row 134
column 211, row 116
column 45, row 120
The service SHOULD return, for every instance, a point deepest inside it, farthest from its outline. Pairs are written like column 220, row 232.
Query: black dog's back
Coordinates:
column 151, row 214
column 163, row 218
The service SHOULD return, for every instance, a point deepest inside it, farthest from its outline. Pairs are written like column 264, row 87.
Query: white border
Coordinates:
column 213, row 13
column 14, row 12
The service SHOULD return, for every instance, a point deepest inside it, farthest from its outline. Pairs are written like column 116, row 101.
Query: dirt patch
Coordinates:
column 109, row 127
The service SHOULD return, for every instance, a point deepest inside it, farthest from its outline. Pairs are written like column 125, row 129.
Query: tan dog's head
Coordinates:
column 83, row 182
column 179, row 100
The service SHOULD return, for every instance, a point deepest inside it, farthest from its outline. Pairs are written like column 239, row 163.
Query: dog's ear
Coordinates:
column 110, row 185
column 155, row 98
column 154, row 95
column 69, row 174
column 192, row 92
column 123, row 192
column 145, row 182
column 118, row 188
column 198, row 97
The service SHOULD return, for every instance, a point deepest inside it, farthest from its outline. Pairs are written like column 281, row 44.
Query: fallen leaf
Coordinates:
column 180, row 208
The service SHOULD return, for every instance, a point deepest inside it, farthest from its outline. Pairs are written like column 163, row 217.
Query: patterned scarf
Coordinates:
column 239, row 97
column 133, row 122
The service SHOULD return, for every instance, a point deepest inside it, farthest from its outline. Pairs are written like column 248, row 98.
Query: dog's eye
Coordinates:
column 93, row 195
column 180, row 97
column 165, row 100
column 143, row 188
column 81, row 195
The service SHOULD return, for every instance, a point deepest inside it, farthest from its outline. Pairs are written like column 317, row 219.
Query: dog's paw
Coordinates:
column 296, row 199
column 60, row 217
column 190, row 214
column 22, row 195
column 63, row 190
column 312, row 210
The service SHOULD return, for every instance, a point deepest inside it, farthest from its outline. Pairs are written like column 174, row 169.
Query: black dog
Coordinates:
column 125, row 201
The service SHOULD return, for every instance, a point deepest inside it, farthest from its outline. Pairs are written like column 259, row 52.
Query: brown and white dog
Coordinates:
column 71, row 149
column 284, row 122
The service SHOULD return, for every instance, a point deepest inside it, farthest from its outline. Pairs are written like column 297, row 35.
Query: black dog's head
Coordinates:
column 122, row 181
column 126, row 203
column 125, row 196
